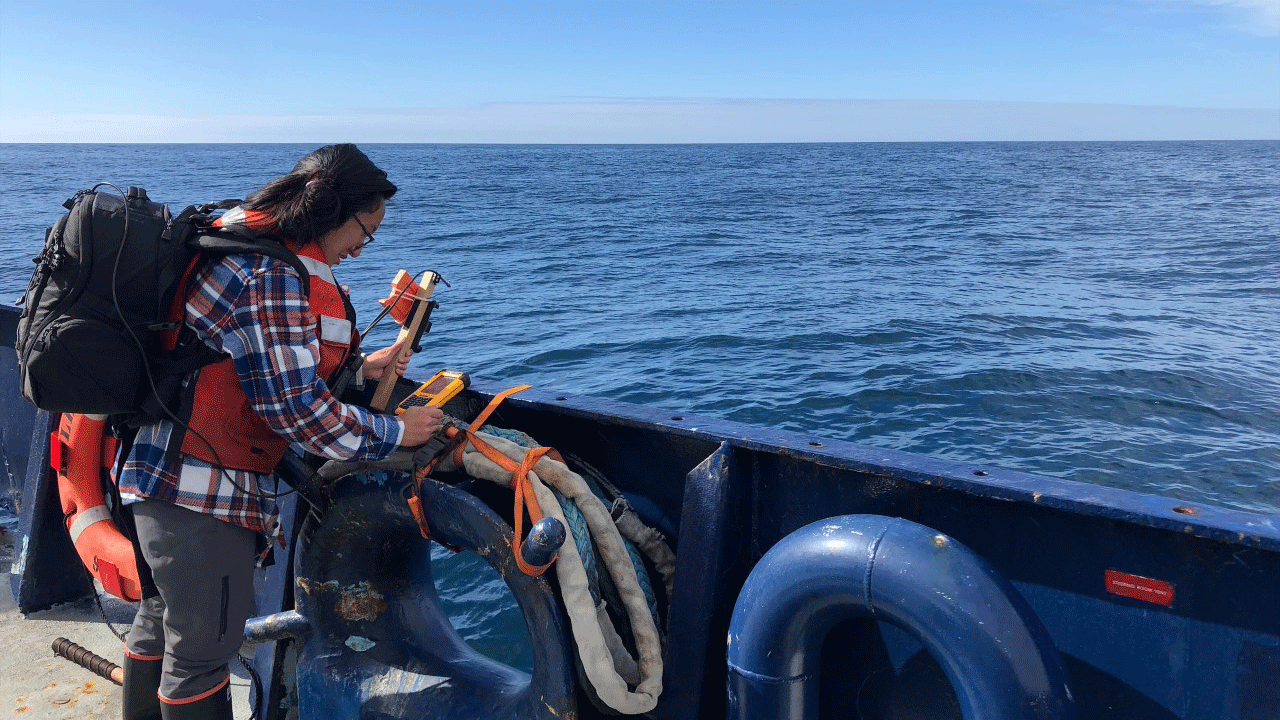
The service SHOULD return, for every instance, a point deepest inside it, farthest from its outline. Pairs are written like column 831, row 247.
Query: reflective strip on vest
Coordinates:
column 95, row 514
column 335, row 329
column 234, row 216
column 318, row 269
column 332, row 329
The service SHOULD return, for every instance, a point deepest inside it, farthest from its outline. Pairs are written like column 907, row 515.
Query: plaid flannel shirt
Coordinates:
column 252, row 307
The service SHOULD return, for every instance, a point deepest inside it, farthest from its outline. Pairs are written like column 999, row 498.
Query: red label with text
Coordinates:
column 1139, row 588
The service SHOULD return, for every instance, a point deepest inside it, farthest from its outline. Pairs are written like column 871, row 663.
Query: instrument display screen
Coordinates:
column 442, row 386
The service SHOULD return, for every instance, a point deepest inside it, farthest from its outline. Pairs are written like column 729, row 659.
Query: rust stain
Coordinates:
column 89, row 688
column 311, row 586
column 361, row 603
column 306, row 585
column 567, row 715
column 356, row 602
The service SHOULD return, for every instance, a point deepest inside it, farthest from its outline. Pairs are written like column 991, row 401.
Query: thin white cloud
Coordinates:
column 1262, row 16
column 1257, row 17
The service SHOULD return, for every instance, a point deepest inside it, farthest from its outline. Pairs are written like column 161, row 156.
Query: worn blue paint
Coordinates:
column 543, row 541
column 279, row 626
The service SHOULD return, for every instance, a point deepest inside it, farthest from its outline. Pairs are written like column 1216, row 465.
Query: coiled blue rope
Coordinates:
column 581, row 533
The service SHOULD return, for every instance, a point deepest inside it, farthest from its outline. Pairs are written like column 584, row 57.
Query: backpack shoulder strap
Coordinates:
column 181, row 356
column 216, row 243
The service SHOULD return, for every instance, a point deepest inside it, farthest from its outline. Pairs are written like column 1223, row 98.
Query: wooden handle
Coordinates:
column 387, row 383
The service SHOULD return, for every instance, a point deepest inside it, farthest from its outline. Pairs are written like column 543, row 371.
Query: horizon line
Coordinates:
column 721, row 121
column 641, row 143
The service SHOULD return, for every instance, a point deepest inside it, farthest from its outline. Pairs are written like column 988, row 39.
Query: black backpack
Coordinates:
column 100, row 330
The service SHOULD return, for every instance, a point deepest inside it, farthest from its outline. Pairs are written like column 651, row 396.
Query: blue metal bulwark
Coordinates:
column 1160, row 609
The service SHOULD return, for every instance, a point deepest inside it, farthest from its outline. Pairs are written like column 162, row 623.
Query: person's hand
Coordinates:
column 376, row 362
column 420, row 423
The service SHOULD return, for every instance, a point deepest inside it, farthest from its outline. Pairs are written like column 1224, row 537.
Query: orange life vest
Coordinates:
column 221, row 413
column 82, row 454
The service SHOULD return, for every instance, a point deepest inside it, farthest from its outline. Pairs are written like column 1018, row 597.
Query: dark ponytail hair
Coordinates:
column 324, row 190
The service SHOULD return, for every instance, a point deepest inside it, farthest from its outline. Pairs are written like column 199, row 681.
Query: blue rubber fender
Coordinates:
column 988, row 641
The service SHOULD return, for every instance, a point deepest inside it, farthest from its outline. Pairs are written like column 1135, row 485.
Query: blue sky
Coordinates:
column 619, row 71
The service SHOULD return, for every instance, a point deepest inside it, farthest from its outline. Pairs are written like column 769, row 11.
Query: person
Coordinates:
column 198, row 494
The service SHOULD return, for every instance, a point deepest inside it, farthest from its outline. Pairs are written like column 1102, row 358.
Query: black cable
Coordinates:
column 97, row 599
column 146, row 365
column 172, row 416
column 387, row 308
column 257, row 686
column 151, row 382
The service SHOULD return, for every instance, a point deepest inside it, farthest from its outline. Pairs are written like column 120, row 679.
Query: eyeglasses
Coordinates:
column 368, row 235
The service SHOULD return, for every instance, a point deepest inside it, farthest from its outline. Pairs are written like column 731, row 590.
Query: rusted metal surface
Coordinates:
column 358, row 601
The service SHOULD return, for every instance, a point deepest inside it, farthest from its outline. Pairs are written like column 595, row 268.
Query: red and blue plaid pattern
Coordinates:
column 252, row 308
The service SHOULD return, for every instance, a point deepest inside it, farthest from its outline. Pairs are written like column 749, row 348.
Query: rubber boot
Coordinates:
column 216, row 706
column 141, row 682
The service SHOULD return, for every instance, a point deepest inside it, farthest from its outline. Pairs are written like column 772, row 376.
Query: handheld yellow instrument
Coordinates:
column 435, row 392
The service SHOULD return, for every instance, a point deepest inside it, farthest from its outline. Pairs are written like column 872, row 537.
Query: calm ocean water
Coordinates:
column 1103, row 312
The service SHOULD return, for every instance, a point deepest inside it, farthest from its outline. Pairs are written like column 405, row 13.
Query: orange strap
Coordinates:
column 480, row 420
column 415, row 507
column 521, row 485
